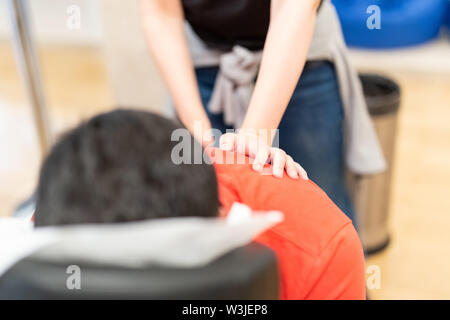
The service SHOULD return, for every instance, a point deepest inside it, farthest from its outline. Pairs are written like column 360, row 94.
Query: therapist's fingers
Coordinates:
column 256, row 148
column 208, row 139
column 278, row 157
column 291, row 168
column 248, row 144
column 301, row 171
column 261, row 152
column 227, row 141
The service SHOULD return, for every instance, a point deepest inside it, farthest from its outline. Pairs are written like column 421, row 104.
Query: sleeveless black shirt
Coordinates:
column 223, row 24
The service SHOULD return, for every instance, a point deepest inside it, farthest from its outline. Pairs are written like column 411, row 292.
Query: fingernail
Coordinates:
column 305, row 176
column 226, row 147
column 278, row 172
column 293, row 174
column 257, row 167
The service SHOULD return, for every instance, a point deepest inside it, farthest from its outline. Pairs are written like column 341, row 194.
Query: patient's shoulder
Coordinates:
column 311, row 218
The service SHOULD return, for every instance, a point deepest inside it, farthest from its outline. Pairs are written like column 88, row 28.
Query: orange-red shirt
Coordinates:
column 319, row 252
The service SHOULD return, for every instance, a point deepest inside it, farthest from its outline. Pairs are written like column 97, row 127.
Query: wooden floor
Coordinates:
column 417, row 263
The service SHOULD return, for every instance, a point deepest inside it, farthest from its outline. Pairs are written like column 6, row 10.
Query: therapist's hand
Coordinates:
column 257, row 149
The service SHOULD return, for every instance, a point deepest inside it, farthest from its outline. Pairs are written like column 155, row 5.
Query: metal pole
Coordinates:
column 29, row 68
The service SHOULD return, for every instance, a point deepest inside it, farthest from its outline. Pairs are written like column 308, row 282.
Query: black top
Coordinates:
column 223, row 24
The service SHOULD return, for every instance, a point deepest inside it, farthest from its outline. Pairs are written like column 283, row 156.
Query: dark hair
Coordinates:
column 117, row 167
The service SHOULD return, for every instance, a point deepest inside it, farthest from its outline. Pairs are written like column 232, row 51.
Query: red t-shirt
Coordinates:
column 319, row 252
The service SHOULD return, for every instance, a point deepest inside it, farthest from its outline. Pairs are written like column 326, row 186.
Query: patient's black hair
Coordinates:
column 117, row 167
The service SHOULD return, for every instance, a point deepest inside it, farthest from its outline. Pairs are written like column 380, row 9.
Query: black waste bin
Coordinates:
column 371, row 193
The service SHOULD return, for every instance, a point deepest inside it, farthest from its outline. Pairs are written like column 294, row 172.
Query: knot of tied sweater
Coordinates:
column 234, row 85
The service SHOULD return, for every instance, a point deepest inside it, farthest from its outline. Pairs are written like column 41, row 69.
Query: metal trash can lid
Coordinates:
column 381, row 93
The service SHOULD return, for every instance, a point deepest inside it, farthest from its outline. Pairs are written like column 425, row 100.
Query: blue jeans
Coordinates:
column 311, row 130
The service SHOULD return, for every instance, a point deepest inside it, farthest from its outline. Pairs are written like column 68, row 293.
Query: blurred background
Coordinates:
column 92, row 56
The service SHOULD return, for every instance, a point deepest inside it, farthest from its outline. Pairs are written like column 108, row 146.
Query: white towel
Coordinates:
column 176, row 242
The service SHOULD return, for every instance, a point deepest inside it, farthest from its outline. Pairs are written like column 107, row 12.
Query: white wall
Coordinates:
column 134, row 78
column 49, row 21
column 112, row 25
